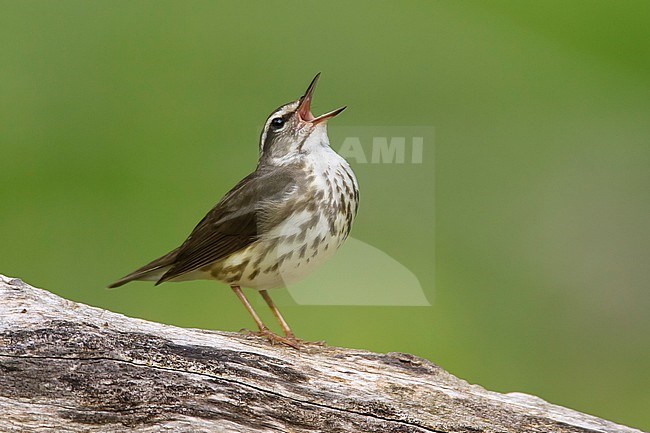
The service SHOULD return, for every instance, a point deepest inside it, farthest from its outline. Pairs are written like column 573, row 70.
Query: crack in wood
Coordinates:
column 67, row 367
column 189, row 372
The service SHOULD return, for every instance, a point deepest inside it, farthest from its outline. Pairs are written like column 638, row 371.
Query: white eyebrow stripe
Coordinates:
column 278, row 112
column 266, row 127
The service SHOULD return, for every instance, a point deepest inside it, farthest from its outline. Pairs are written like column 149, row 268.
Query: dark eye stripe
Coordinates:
column 272, row 132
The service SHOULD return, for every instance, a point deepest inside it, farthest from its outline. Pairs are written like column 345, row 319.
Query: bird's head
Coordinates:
column 292, row 129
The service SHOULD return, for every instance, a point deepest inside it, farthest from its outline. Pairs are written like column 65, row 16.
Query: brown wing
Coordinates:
column 234, row 223
column 151, row 271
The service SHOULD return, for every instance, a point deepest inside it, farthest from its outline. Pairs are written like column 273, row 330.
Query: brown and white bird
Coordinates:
column 277, row 224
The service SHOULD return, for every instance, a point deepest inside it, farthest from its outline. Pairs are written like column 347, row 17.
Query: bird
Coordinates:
column 278, row 224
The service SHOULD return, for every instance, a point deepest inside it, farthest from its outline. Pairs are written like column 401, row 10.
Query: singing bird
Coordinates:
column 277, row 224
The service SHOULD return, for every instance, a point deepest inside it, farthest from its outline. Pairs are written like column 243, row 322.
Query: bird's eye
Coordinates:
column 277, row 123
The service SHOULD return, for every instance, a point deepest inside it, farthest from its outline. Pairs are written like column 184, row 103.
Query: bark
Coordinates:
column 68, row 367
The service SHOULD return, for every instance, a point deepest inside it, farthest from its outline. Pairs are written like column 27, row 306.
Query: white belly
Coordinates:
column 287, row 254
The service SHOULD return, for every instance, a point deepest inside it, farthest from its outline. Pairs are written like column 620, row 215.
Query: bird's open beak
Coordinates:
column 304, row 109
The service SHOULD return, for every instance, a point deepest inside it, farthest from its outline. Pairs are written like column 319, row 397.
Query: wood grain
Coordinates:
column 68, row 367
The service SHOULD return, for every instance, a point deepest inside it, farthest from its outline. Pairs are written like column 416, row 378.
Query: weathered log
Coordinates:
column 68, row 367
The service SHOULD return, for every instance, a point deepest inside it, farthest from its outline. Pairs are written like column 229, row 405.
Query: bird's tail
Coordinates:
column 150, row 272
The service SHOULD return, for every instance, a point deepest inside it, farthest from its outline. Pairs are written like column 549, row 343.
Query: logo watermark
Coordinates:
column 394, row 167
column 384, row 145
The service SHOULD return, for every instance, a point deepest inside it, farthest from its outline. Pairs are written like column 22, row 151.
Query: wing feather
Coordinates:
column 235, row 222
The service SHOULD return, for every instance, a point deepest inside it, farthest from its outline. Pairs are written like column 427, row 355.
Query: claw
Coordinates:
column 305, row 342
column 275, row 338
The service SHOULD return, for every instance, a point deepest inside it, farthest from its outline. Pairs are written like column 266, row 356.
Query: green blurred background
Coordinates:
column 122, row 122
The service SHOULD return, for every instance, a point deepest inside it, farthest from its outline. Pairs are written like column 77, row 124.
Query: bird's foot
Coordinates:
column 320, row 343
column 292, row 337
column 274, row 339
